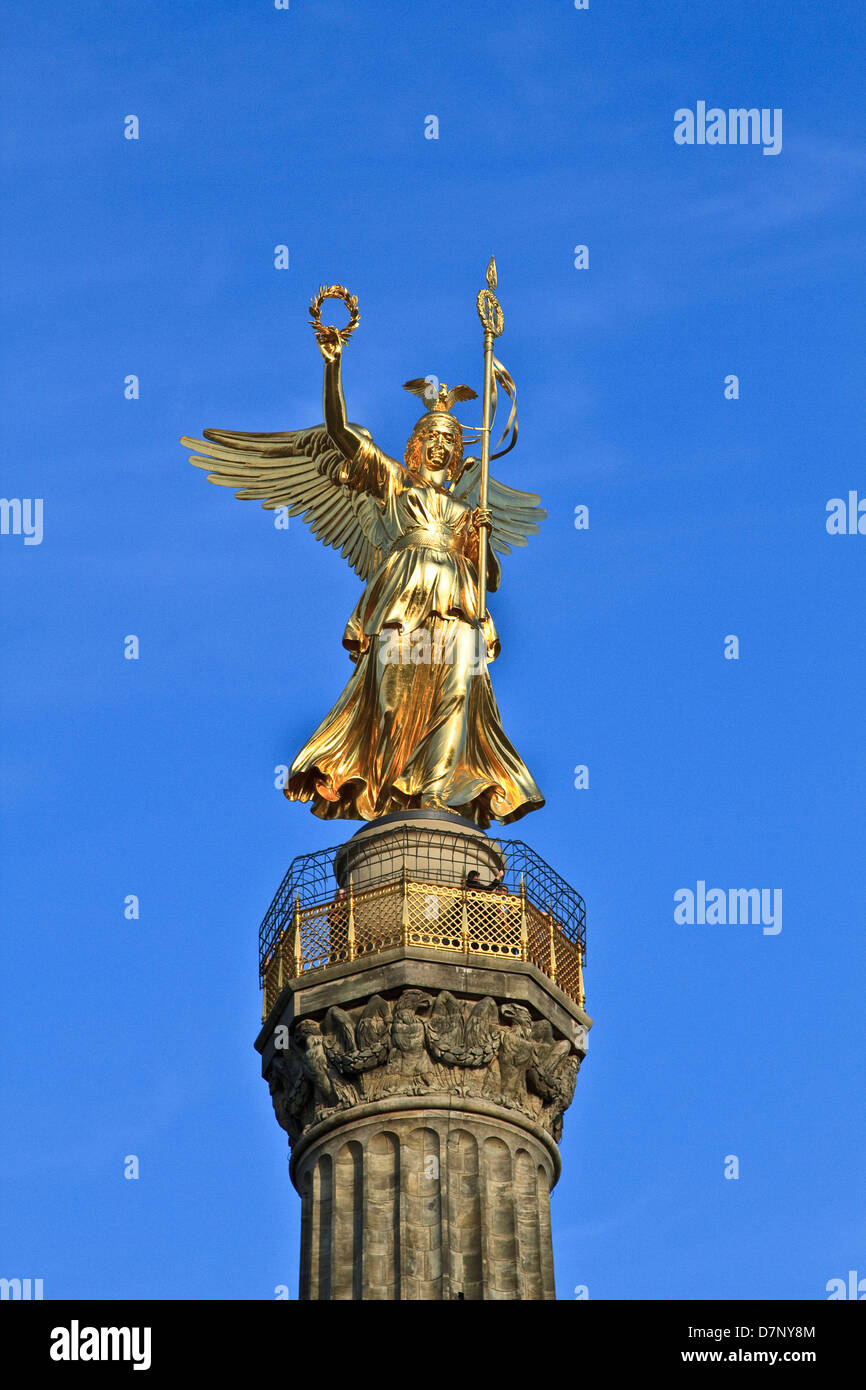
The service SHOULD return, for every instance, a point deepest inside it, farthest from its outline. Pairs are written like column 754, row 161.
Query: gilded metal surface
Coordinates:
column 324, row 332
column 432, row 915
column 422, row 733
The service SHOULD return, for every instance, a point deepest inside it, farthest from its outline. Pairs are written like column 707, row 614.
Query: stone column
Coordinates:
column 419, row 1203
column 423, row 1091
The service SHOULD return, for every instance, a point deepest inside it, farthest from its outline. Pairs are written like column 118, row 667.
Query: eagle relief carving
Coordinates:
column 419, row 1044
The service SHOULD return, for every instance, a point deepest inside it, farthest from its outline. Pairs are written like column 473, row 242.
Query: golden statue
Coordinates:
column 417, row 726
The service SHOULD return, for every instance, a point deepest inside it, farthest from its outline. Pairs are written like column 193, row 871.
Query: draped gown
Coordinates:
column 417, row 725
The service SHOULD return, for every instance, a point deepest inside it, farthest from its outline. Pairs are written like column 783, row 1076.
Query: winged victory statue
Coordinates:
column 417, row 725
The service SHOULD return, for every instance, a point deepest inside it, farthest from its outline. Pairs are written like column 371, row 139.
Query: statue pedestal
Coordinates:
column 423, row 1069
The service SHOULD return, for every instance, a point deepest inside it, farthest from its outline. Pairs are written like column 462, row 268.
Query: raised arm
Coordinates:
column 364, row 467
column 336, row 424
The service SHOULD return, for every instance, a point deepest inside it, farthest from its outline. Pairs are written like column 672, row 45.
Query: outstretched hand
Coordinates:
column 330, row 343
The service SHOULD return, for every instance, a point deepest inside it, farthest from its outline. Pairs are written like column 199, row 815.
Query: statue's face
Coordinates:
column 438, row 447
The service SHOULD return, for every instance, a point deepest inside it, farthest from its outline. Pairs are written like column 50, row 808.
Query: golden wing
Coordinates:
column 515, row 514
column 299, row 470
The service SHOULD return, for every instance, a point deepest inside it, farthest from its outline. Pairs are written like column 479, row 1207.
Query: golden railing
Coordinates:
column 433, row 915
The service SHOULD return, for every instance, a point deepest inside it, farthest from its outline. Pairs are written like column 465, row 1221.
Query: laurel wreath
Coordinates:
column 365, row 1059
column 324, row 331
column 479, row 1056
column 490, row 312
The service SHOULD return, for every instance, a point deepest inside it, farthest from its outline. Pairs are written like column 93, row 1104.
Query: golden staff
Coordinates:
column 492, row 321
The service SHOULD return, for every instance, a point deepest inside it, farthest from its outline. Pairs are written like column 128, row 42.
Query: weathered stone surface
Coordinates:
column 486, row 1242
column 361, row 857
column 406, row 967
column 423, row 1093
column 425, row 1044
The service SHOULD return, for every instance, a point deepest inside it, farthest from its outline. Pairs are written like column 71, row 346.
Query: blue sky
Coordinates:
column 155, row 257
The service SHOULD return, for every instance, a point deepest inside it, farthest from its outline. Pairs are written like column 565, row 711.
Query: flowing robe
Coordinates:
column 417, row 724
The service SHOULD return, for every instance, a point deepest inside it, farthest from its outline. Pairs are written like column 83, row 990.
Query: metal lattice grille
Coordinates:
column 432, row 915
column 438, row 857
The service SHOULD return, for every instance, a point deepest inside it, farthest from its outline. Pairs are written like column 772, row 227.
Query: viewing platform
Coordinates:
column 412, row 886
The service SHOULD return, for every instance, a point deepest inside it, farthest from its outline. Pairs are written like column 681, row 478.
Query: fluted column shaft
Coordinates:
column 426, row 1205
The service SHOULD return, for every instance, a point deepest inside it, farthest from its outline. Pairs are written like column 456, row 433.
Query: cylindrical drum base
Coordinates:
column 424, row 848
